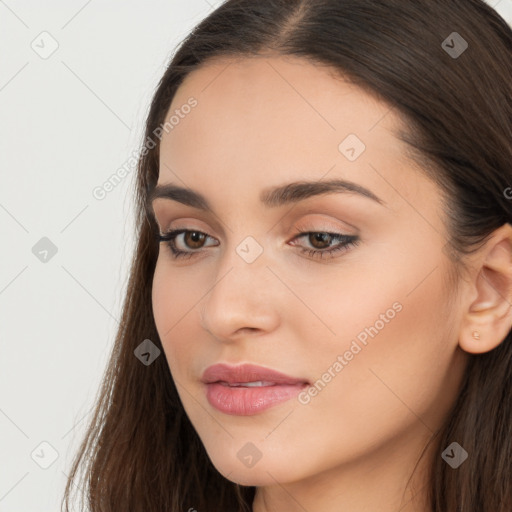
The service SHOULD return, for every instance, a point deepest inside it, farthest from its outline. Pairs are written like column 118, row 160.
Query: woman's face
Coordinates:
column 371, row 327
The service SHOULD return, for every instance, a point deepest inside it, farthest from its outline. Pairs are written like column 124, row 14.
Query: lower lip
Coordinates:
column 245, row 401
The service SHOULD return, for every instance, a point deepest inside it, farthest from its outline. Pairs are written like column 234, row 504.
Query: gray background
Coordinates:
column 69, row 120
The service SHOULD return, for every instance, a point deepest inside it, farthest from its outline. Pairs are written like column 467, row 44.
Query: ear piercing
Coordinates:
column 476, row 335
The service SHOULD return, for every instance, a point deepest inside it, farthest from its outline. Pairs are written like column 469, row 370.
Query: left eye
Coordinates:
column 324, row 239
column 320, row 240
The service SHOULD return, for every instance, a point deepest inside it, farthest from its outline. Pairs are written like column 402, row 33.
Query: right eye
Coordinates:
column 192, row 238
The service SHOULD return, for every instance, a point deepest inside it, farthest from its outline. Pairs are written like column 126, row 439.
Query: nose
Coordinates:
column 243, row 300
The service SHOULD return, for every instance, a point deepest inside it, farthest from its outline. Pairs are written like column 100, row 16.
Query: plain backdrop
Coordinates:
column 76, row 79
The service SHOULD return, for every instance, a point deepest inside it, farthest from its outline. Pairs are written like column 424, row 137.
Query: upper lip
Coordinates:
column 246, row 373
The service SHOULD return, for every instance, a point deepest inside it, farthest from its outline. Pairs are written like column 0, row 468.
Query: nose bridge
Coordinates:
column 244, row 260
column 239, row 297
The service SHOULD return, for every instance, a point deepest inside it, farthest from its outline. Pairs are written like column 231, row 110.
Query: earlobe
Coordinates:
column 488, row 319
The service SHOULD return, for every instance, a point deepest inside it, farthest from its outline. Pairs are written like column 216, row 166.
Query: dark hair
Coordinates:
column 141, row 453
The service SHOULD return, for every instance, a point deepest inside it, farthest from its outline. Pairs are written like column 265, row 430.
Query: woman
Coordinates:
column 318, row 315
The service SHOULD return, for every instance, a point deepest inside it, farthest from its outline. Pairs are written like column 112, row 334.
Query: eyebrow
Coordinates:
column 269, row 197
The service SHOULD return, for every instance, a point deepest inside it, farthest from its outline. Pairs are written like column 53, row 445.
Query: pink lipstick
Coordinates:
column 248, row 389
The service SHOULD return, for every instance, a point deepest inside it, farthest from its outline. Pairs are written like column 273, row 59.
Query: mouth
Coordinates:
column 248, row 389
column 256, row 384
column 247, row 375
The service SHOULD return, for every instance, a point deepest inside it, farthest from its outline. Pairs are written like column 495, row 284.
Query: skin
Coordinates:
column 267, row 121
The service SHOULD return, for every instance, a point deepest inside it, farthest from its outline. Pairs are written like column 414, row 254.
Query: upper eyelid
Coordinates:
column 351, row 228
column 219, row 225
column 297, row 231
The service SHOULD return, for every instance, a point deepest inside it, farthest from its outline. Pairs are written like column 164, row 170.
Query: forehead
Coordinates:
column 271, row 92
column 263, row 119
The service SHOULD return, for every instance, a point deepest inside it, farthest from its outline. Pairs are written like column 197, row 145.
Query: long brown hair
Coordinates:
column 141, row 453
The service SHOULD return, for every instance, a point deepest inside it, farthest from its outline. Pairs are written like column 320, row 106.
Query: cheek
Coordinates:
column 173, row 297
column 391, row 357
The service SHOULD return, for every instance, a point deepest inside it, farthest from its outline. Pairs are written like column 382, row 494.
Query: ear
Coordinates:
column 488, row 318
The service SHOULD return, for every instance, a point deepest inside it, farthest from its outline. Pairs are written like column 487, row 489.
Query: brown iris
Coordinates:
column 320, row 237
column 194, row 237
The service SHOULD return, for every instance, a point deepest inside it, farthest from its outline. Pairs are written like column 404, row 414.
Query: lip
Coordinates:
column 226, row 393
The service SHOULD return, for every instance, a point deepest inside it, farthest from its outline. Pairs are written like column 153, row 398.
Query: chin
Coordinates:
column 249, row 479
column 262, row 473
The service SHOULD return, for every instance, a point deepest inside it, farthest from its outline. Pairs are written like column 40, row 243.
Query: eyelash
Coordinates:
column 346, row 242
